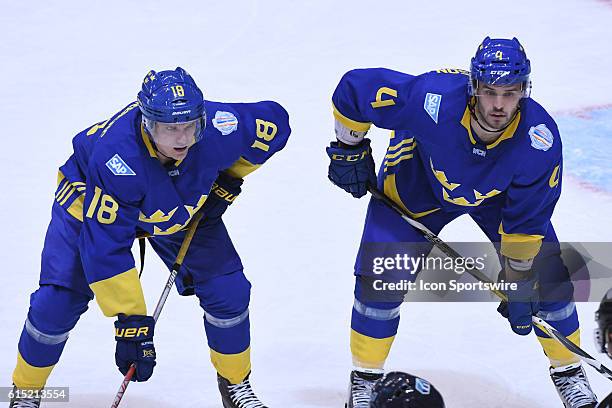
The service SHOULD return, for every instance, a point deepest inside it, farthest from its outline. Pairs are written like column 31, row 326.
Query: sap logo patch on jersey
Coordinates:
column 119, row 167
column 225, row 122
column 541, row 137
column 422, row 386
column 432, row 105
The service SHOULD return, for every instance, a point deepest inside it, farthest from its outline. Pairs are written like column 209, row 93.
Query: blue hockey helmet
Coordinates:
column 401, row 390
column 500, row 61
column 171, row 97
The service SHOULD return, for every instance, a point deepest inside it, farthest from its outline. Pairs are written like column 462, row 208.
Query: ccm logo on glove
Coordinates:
column 350, row 157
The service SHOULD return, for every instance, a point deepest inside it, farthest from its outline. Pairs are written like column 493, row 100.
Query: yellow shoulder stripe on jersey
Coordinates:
column 30, row 377
column 519, row 246
column 241, row 168
column 507, row 134
column 125, row 111
column 350, row 123
column 390, row 190
column 557, row 354
column 234, row 367
column 121, row 293
column 92, row 130
column 147, row 142
column 369, row 352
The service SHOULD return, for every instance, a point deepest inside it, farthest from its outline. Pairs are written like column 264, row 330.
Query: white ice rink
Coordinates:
column 66, row 65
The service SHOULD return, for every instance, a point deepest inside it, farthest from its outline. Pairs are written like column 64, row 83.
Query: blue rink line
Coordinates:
column 587, row 145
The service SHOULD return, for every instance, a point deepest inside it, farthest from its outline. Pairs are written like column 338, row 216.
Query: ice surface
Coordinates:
column 66, row 65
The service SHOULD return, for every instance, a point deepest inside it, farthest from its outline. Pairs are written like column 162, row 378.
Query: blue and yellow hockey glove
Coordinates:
column 134, row 336
column 352, row 167
column 222, row 194
column 524, row 302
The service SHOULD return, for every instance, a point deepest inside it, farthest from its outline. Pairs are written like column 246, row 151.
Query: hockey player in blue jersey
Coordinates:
column 147, row 171
column 461, row 143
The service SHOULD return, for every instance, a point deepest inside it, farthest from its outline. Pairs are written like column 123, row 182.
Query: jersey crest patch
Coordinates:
column 541, row 137
column 118, row 167
column 432, row 105
column 225, row 122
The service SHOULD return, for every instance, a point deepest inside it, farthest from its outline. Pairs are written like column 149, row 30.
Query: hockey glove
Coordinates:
column 352, row 167
column 524, row 302
column 134, row 336
column 222, row 194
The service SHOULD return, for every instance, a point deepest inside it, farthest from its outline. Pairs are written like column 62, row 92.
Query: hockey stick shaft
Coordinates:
column 162, row 299
column 450, row 252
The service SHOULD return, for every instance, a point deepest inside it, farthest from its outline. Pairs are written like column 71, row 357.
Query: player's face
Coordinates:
column 498, row 104
column 174, row 139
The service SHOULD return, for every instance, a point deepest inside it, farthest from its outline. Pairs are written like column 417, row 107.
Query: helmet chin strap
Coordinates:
column 472, row 107
column 167, row 157
column 157, row 151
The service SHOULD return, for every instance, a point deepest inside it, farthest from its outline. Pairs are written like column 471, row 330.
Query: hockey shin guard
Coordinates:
column 373, row 330
column 565, row 320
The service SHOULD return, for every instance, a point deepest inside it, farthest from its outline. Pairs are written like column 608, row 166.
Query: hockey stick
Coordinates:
column 450, row 252
column 162, row 299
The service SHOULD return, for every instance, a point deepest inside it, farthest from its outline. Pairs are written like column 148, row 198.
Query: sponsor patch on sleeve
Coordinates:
column 225, row 122
column 118, row 167
column 432, row 105
column 541, row 137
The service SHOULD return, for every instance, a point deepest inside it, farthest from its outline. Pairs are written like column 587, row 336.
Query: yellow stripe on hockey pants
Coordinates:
column 233, row 367
column 369, row 352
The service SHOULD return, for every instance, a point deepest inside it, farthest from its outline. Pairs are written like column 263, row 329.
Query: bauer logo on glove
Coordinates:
column 223, row 193
column 131, row 332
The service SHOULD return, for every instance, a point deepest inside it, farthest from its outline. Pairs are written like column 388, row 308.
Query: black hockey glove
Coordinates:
column 222, row 194
column 352, row 167
column 134, row 336
column 524, row 302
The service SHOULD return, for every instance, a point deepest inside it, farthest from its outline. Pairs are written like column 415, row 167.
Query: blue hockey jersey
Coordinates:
column 435, row 162
column 115, row 184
